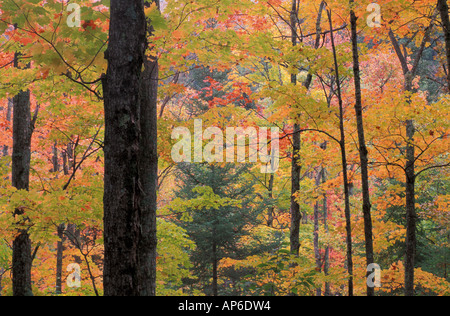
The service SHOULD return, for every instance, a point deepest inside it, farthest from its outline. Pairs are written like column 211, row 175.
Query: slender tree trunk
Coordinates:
column 59, row 259
column 348, row 219
column 123, row 184
column 443, row 10
column 317, row 255
column 296, row 216
column 148, row 169
column 411, row 216
column 215, row 291
column 60, row 231
column 362, row 148
column 270, row 211
column 410, row 207
column 326, row 266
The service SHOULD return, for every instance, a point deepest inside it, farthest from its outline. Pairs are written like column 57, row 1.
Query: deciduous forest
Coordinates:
column 224, row 148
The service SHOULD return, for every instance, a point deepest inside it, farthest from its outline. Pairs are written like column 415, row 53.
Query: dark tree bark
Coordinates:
column 443, row 10
column 59, row 259
column 271, row 210
column 123, row 184
column 60, row 232
column 344, row 166
column 296, row 215
column 326, row 266
column 148, row 169
column 411, row 216
column 21, row 159
column 131, row 158
column 23, row 127
column 410, row 173
column 363, row 153
column 317, row 255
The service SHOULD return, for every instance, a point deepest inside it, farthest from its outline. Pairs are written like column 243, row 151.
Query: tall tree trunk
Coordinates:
column 123, row 184
column 411, row 217
column 362, row 148
column 317, row 255
column 60, row 231
column 270, row 211
column 326, row 266
column 443, row 10
column 59, row 259
column 348, row 219
column 148, row 169
column 21, row 159
column 23, row 127
column 296, row 216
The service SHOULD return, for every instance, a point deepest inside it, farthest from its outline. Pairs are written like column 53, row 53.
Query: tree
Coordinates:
column 23, row 126
column 217, row 213
column 296, row 216
column 410, row 166
column 129, row 204
column 342, row 144
column 363, row 152
column 148, row 168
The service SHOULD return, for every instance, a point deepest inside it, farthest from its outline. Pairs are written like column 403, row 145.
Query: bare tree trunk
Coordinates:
column 131, row 157
column 23, row 127
column 411, row 216
column 148, row 172
column 317, row 255
column 296, row 216
column 344, row 166
column 123, row 184
column 326, row 266
column 21, row 159
column 59, row 259
column 270, row 211
column 362, row 148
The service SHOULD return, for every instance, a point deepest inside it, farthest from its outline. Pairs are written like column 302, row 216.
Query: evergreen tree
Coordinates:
column 216, row 231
